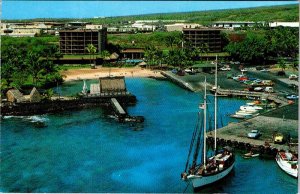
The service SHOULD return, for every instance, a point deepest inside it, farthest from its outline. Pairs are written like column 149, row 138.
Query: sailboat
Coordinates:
column 212, row 169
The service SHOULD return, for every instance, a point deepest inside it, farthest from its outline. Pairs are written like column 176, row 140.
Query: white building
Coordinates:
column 93, row 26
column 233, row 24
column 284, row 24
column 180, row 26
column 143, row 27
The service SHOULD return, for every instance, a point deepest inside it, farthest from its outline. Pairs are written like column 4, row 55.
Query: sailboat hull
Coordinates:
column 201, row 181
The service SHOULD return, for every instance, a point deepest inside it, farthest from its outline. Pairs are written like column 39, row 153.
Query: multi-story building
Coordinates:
column 199, row 37
column 76, row 41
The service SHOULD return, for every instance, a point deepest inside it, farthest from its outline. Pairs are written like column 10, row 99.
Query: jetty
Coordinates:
column 122, row 115
column 259, row 95
column 178, row 81
column 235, row 134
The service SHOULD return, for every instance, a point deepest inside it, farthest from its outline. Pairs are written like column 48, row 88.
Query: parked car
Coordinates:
column 236, row 78
column 258, row 89
column 225, row 69
column 269, row 89
column 252, row 78
column 244, row 78
column 293, row 77
column 257, row 81
column 254, row 134
column 292, row 97
column 267, row 82
column 278, row 138
column 264, row 70
column 174, row 71
column 248, row 82
column 244, row 70
column 181, row 73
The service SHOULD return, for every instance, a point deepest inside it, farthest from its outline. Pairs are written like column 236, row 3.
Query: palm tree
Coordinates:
column 105, row 54
column 91, row 49
column 150, row 54
column 33, row 65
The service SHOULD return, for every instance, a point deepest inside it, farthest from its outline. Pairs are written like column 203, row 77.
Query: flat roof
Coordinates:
column 133, row 50
column 235, row 22
column 81, row 30
column 202, row 29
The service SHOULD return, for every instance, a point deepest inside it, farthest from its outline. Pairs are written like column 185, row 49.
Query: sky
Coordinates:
column 90, row 9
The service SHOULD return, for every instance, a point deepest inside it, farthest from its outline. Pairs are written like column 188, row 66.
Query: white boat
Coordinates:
column 248, row 111
column 250, row 155
column 240, row 116
column 250, row 107
column 207, row 171
column 288, row 162
column 243, row 113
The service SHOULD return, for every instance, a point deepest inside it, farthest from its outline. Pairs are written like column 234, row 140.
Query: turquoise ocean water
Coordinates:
column 88, row 151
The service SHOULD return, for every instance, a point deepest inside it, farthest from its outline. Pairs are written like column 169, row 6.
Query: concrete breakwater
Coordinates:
column 235, row 134
column 59, row 105
column 178, row 81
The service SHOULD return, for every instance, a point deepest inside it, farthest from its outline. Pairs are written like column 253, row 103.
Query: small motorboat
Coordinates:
column 288, row 162
column 250, row 155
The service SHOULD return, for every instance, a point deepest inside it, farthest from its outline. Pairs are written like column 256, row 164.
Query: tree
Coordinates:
column 33, row 65
column 91, row 49
column 173, row 41
column 252, row 49
column 282, row 64
column 150, row 54
column 283, row 42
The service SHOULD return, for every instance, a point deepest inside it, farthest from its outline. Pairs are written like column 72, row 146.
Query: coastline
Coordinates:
column 80, row 74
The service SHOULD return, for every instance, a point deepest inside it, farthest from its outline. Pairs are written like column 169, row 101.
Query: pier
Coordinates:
column 122, row 115
column 178, row 81
column 259, row 95
column 235, row 134
column 117, row 107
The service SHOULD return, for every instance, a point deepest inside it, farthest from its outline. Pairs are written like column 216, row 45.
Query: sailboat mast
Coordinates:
column 204, row 127
column 216, row 85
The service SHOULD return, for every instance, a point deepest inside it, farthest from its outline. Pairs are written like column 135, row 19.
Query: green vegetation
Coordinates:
column 266, row 13
column 25, row 62
column 142, row 40
column 264, row 43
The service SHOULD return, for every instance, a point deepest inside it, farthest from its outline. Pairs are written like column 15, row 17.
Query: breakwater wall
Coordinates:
column 262, row 149
column 59, row 105
column 178, row 81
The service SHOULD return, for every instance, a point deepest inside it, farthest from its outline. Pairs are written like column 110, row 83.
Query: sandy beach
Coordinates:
column 79, row 74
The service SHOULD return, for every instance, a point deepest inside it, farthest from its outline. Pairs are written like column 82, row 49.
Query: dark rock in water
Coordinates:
column 39, row 124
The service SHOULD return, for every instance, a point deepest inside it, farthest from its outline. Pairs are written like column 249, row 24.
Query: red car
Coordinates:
column 243, row 78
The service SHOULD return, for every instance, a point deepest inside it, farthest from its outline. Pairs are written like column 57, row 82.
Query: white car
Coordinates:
column 292, row 97
column 254, row 134
column 244, row 70
column 257, row 81
column 225, row 69
column 293, row 77
column 258, row 89
column 265, row 70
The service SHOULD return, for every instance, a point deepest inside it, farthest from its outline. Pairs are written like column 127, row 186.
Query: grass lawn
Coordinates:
column 67, row 67
column 81, row 56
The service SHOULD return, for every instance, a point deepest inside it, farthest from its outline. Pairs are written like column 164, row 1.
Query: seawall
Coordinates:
column 59, row 105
